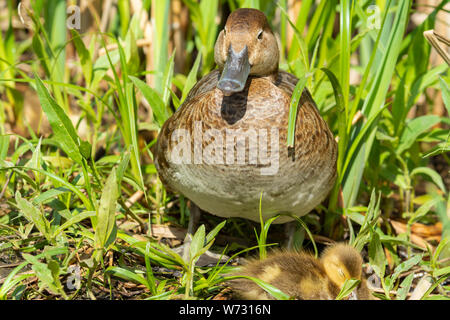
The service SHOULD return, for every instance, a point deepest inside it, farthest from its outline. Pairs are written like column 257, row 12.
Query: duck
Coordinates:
column 302, row 276
column 225, row 147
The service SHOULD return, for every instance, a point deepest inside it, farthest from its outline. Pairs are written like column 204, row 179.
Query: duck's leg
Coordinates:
column 193, row 221
column 290, row 235
column 208, row 257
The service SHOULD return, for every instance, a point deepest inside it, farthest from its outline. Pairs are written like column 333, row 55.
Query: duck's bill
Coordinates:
column 235, row 72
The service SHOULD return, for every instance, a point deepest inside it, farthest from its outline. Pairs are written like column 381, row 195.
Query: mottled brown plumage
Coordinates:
column 301, row 276
column 291, row 183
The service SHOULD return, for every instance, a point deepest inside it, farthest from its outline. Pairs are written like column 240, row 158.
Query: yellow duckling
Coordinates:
column 302, row 276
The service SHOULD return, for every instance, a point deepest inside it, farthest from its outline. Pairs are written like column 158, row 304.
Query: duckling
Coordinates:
column 227, row 142
column 302, row 276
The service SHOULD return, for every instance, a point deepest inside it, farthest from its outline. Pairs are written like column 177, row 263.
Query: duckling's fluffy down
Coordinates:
column 298, row 274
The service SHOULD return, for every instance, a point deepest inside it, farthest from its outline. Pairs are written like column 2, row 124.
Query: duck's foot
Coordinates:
column 208, row 257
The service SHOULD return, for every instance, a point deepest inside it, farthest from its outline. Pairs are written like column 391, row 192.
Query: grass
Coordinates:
column 81, row 201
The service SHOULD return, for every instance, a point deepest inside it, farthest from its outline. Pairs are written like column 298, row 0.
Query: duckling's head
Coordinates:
column 245, row 47
column 342, row 262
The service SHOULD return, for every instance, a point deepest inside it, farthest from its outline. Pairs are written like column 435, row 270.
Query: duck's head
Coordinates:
column 246, row 46
column 342, row 262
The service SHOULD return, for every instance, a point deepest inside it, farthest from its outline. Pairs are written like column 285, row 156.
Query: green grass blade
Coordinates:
column 375, row 99
column 344, row 57
column 272, row 290
column 126, row 275
column 293, row 107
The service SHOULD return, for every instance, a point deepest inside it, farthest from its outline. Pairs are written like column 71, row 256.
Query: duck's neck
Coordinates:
column 272, row 77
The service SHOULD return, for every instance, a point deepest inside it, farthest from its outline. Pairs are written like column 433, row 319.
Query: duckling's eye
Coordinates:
column 224, row 31
column 260, row 35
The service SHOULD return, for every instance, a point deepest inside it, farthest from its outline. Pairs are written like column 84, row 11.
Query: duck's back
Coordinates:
column 236, row 149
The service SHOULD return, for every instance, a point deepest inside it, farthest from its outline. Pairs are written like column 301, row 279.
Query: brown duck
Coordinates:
column 302, row 276
column 227, row 142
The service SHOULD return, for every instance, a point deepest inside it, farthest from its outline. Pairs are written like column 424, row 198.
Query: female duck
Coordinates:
column 227, row 143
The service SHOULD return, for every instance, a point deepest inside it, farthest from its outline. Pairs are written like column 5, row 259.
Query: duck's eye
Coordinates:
column 260, row 35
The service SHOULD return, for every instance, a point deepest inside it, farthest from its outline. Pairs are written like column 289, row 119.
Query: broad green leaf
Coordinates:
column 443, row 271
column 41, row 269
column 12, row 279
column 435, row 177
column 198, row 241
column 347, row 288
column 35, row 162
column 406, row 265
column 377, row 258
column 413, row 129
column 126, row 275
column 54, row 177
column 423, row 210
column 402, row 292
column 47, row 273
column 152, row 97
column 212, row 234
column 75, row 219
column 122, row 167
column 62, row 127
column 106, row 219
column 445, row 94
column 32, row 214
column 395, row 175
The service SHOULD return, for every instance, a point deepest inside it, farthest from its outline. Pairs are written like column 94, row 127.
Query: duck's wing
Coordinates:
column 205, row 84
